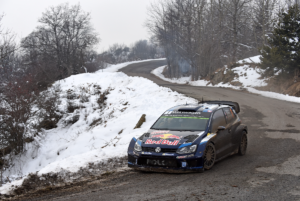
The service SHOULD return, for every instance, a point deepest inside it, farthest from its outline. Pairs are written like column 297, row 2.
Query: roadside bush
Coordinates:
column 47, row 105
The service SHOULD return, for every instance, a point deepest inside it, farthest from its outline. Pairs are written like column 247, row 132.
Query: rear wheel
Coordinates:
column 243, row 144
column 209, row 156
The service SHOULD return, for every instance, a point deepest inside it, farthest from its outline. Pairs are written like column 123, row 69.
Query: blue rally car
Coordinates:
column 190, row 138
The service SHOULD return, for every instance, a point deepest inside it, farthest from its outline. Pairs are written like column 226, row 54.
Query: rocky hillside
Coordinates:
column 247, row 73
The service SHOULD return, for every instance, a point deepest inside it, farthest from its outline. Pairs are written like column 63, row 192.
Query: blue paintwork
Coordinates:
column 185, row 145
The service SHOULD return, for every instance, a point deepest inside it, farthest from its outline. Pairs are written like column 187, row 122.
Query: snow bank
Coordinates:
column 99, row 134
column 115, row 68
column 158, row 72
column 248, row 76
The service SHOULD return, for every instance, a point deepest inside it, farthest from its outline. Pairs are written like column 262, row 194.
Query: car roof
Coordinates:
column 202, row 107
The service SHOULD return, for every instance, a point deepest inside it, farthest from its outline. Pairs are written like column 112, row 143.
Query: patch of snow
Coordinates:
column 249, row 76
column 158, row 72
column 6, row 188
column 274, row 95
column 255, row 59
column 115, row 68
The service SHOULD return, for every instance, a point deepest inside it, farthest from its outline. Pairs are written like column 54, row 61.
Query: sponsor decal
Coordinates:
column 207, row 110
column 166, row 136
column 159, row 132
column 181, row 117
column 166, row 154
column 208, row 137
column 147, row 153
column 187, row 156
column 162, row 142
column 180, row 157
column 179, row 112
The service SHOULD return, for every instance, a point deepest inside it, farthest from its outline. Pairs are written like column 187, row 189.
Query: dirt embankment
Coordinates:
column 289, row 86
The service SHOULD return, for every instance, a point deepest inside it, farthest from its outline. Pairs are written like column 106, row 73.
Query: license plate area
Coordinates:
column 158, row 162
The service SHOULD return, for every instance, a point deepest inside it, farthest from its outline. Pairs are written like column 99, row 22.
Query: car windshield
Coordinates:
column 182, row 122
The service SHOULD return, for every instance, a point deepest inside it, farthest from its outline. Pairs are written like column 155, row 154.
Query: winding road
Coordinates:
column 269, row 171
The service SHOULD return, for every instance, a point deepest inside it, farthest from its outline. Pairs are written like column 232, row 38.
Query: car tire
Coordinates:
column 243, row 144
column 209, row 156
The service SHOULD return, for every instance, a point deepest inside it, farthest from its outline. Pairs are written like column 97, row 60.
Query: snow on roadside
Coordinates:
column 72, row 146
column 255, row 59
column 248, row 76
column 115, row 68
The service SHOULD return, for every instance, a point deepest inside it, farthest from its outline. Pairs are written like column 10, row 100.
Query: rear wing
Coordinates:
column 235, row 105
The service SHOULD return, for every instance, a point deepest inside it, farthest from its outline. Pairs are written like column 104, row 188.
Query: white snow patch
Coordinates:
column 255, row 59
column 274, row 95
column 158, row 72
column 115, row 68
column 249, row 76
column 6, row 188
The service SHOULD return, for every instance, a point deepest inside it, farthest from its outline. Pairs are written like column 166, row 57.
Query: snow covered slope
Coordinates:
column 248, row 76
column 100, row 131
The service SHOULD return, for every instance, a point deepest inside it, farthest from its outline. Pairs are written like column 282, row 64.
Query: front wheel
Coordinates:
column 209, row 156
column 243, row 144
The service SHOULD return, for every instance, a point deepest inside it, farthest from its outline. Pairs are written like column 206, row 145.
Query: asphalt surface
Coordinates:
column 269, row 171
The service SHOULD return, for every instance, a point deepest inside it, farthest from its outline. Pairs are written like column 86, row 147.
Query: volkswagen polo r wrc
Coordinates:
column 190, row 138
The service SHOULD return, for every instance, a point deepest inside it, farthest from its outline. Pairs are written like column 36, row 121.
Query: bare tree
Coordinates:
column 8, row 48
column 204, row 35
column 59, row 45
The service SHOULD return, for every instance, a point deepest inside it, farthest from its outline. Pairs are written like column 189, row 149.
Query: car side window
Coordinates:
column 218, row 120
column 230, row 116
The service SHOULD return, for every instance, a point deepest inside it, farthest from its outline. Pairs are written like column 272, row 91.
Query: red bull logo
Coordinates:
column 163, row 142
column 166, row 136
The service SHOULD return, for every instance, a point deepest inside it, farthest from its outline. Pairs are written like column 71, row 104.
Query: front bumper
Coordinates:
column 172, row 164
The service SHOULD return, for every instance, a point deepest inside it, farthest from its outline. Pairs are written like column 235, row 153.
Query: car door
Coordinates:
column 223, row 139
column 233, row 123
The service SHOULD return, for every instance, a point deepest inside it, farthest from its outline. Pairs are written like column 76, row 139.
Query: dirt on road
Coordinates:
column 269, row 171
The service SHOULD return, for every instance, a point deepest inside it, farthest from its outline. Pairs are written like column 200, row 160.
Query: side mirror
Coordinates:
column 221, row 128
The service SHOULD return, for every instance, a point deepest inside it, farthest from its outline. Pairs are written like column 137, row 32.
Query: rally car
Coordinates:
column 190, row 138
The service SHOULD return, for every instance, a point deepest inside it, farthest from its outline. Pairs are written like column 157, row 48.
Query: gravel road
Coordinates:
column 269, row 171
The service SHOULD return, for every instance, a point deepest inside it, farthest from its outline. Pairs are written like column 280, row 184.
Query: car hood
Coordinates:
column 169, row 139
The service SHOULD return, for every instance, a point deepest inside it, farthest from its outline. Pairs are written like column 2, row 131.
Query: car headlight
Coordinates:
column 137, row 147
column 187, row 149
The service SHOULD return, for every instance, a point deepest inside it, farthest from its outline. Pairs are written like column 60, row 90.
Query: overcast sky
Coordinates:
column 116, row 21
